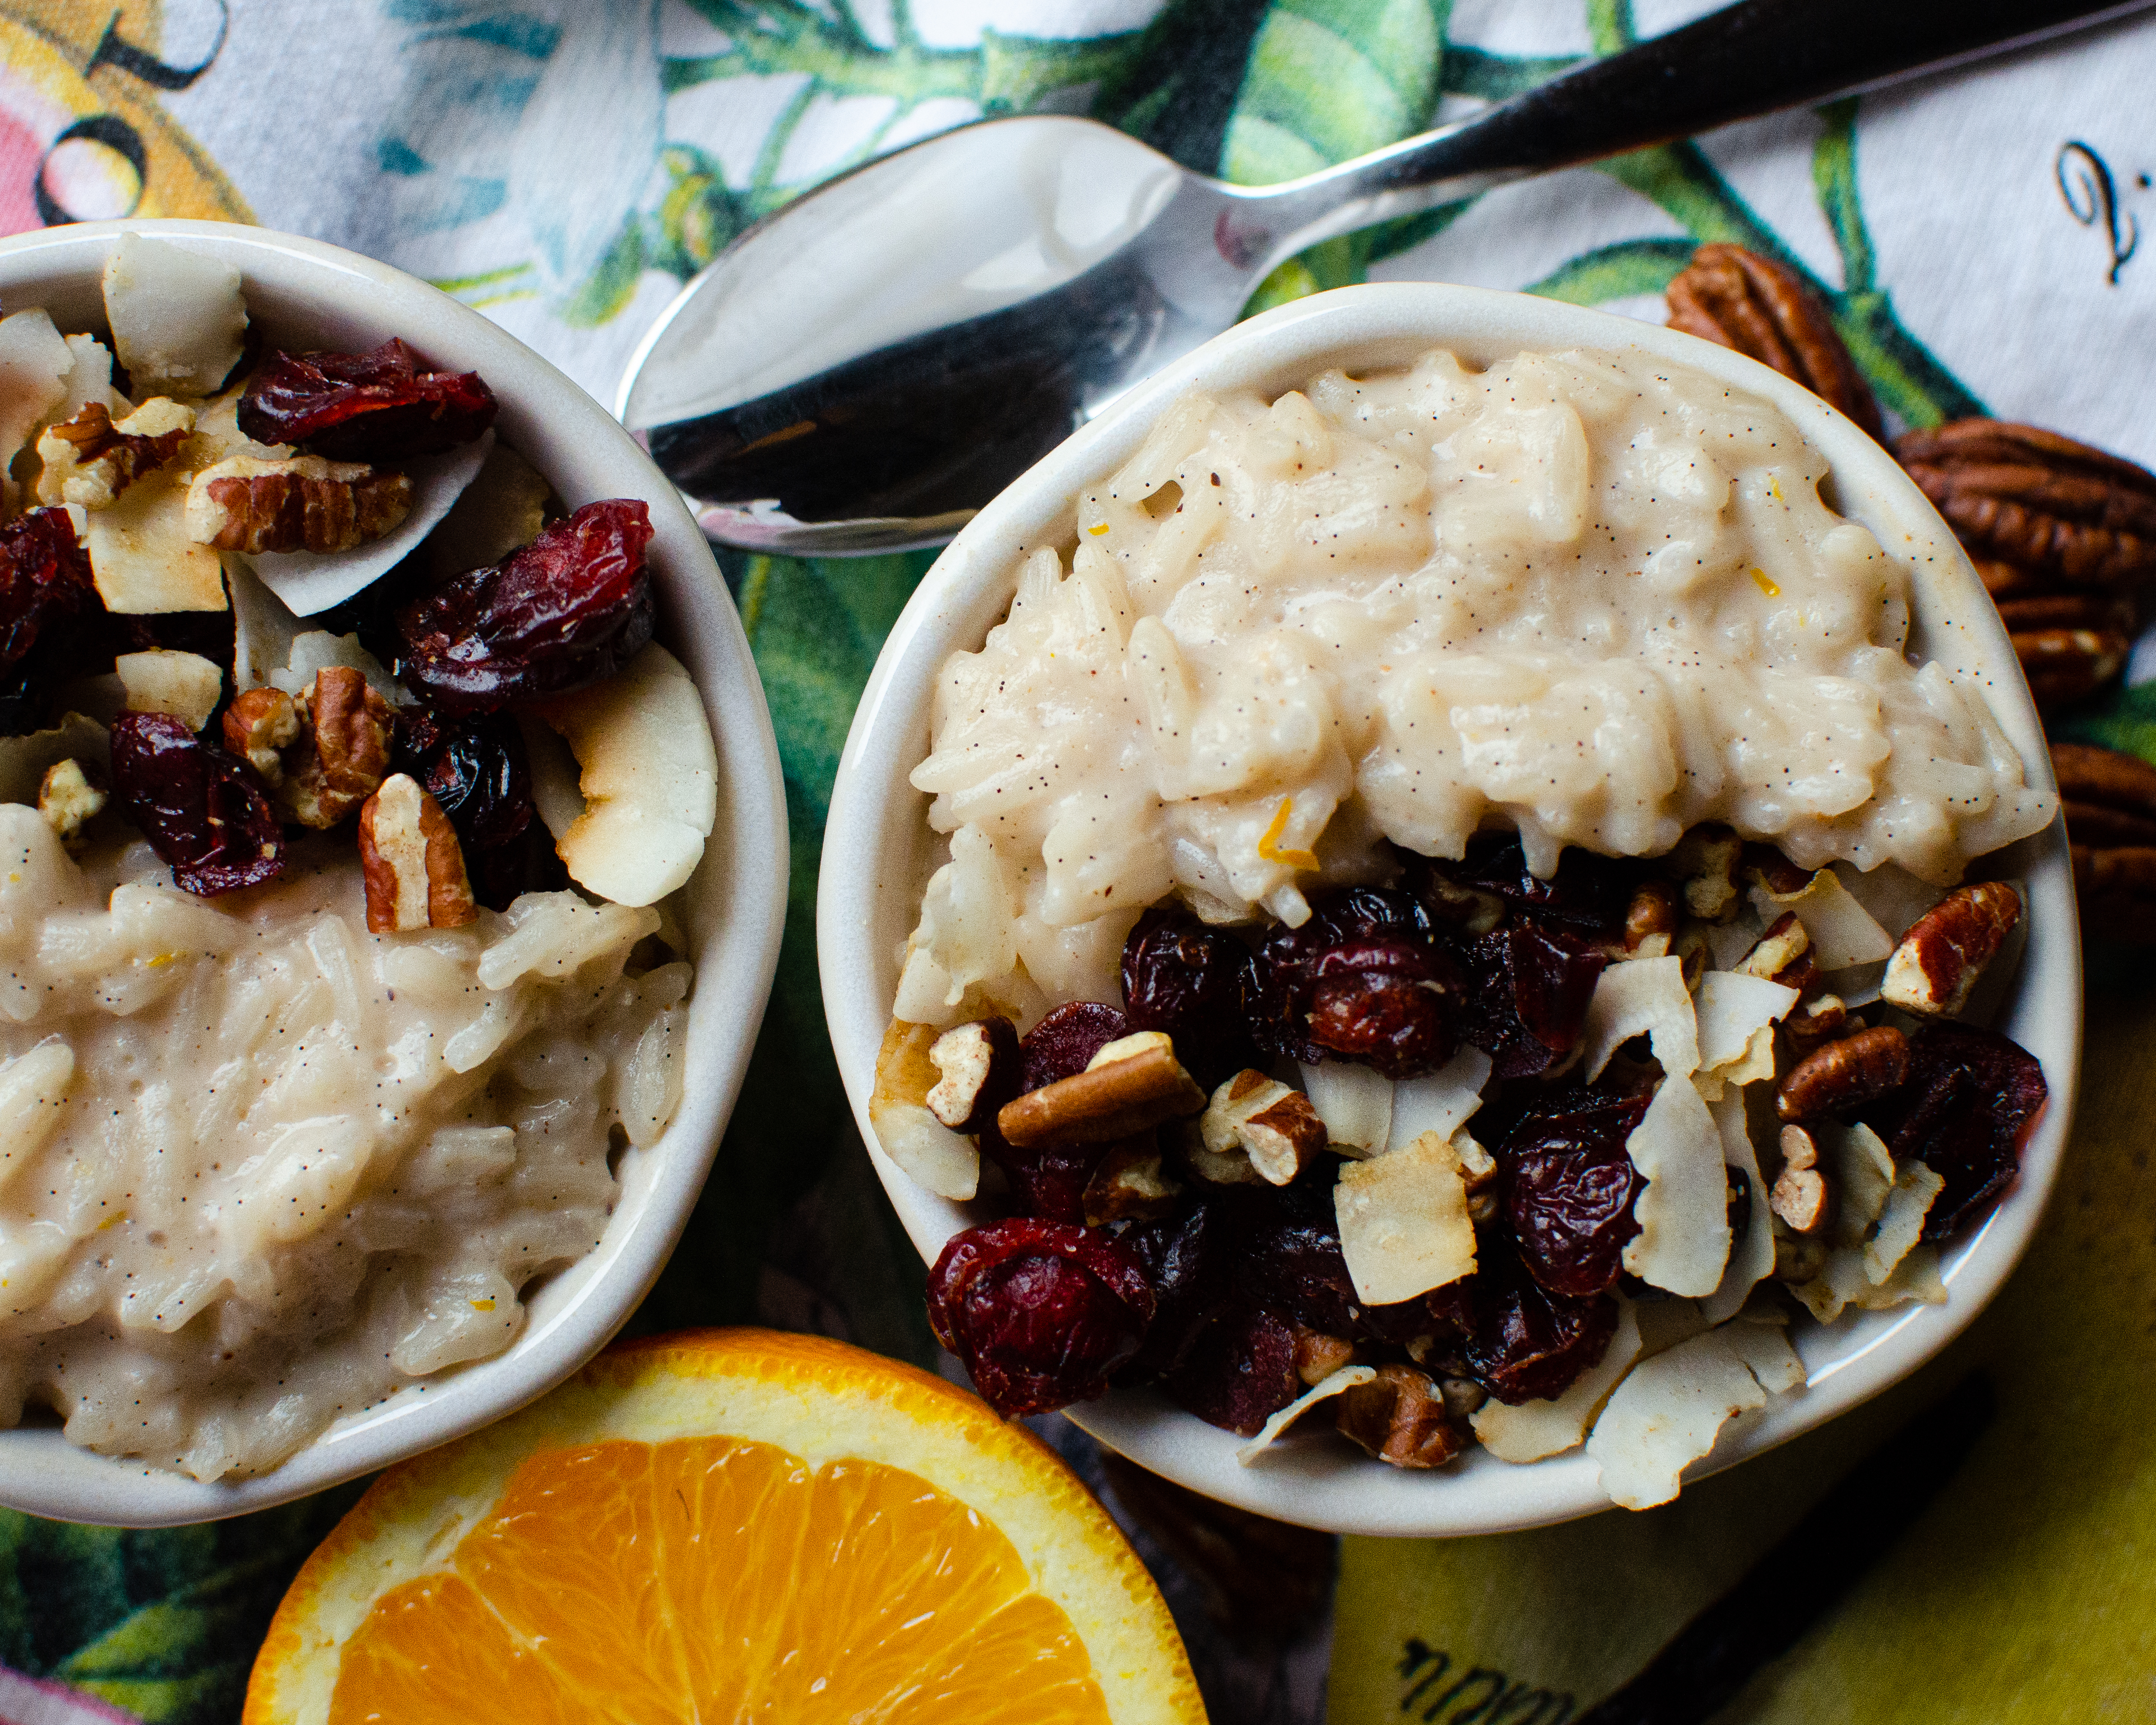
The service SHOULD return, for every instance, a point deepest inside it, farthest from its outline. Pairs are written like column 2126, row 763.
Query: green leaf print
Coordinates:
column 1616, row 272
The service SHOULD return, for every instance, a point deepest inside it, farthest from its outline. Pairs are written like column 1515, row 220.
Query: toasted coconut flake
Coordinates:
column 1902, row 1220
column 503, row 509
column 1843, row 932
column 1403, row 1222
column 317, row 650
column 1844, row 1282
column 1531, row 1430
column 1731, row 1011
column 1683, row 1241
column 1750, row 1258
column 178, row 319
column 1891, row 895
column 1666, row 1414
column 1862, row 1174
column 1765, row 1350
column 1443, row 1101
column 184, row 685
column 1347, row 1378
column 929, row 1152
column 1642, row 995
column 25, row 760
column 1728, row 942
column 1355, row 1103
column 262, row 627
column 35, row 362
column 141, row 556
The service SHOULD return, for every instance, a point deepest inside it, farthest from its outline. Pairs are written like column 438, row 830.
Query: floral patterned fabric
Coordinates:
column 563, row 164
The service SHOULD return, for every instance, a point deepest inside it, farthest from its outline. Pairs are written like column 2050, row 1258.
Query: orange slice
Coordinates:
column 729, row 1525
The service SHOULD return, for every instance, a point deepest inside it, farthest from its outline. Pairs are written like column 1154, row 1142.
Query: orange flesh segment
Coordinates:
column 718, row 1579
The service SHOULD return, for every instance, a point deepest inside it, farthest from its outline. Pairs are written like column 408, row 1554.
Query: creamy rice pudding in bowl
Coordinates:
column 393, row 869
column 1456, row 882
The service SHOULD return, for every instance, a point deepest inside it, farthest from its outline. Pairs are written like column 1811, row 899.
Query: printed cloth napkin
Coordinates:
column 1966, row 1547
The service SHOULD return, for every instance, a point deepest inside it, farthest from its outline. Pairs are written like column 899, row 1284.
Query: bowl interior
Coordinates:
column 305, row 293
column 878, row 849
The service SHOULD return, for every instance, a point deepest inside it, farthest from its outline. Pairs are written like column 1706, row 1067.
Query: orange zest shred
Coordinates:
column 1270, row 847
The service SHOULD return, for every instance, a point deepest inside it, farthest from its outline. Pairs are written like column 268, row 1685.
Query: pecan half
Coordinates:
column 1844, row 1075
column 1936, row 966
column 2039, row 501
column 410, row 861
column 2070, row 644
column 2110, row 800
column 88, row 460
column 1132, row 1085
column 324, row 754
column 1400, row 1417
column 1740, row 300
column 298, row 503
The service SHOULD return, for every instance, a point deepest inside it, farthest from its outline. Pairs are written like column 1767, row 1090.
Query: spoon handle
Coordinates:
column 1743, row 61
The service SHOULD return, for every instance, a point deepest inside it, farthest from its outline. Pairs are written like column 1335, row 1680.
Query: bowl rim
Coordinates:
column 736, row 910
column 867, row 844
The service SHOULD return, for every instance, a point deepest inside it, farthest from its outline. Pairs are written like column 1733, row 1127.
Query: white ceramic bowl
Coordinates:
column 304, row 293
column 877, row 848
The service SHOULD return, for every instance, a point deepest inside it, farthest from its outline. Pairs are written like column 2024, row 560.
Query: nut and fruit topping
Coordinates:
column 47, row 601
column 89, row 460
column 408, row 855
column 295, row 503
column 388, row 405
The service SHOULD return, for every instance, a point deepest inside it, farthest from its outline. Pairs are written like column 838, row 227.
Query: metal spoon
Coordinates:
column 863, row 369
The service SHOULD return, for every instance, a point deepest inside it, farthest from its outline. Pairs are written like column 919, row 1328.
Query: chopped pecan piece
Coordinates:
column 1844, row 1075
column 1132, row 1085
column 1799, row 1149
column 982, row 1069
column 1934, row 968
column 324, row 753
column 1651, row 921
column 69, row 798
column 1400, row 1417
column 1318, row 1356
column 410, row 861
column 297, row 503
column 1129, row 1185
column 2038, row 502
column 1275, row 1124
column 1706, row 860
column 2110, row 800
column 258, row 727
column 1782, row 947
column 1740, row 300
column 1763, row 866
column 1799, row 1198
column 1821, row 1018
column 88, row 460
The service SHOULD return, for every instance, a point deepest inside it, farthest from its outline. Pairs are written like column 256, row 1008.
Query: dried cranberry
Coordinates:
column 1047, row 1181
column 1065, row 1039
column 569, row 609
column 1040, row 1313
column 1359, row 981
column 1567, row 1190
column 1971, row 1099
column 1190, row 981
column 1293, row 1265
column 1527, row 996
column 1240, row 1372
column 1586, row 895
column 476, row 768
column 1186, row 1262
column 1520, row 1342
column 199, row 807
column 48, row 602
column 386, row 406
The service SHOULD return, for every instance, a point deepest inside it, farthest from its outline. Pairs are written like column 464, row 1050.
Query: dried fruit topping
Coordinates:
column 2041, row 502
column 1971, row 1101
column 1400, row 1417
column 1523, row 1343
column 1039, row 1312
column 1065, row 1040
column 1588, row 895
column 1294, row 1266
column 1841, row 1077
column 45, row 594
column 199, row 808
column 1186, row 1263
column 386, row 406
column 1181, row 977
column 476, row 768
column 1764, row 309
column 1239, row 1371
column 1567, row 1189
column 1527, row 996
column 1359, row 981
column 567, row 610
